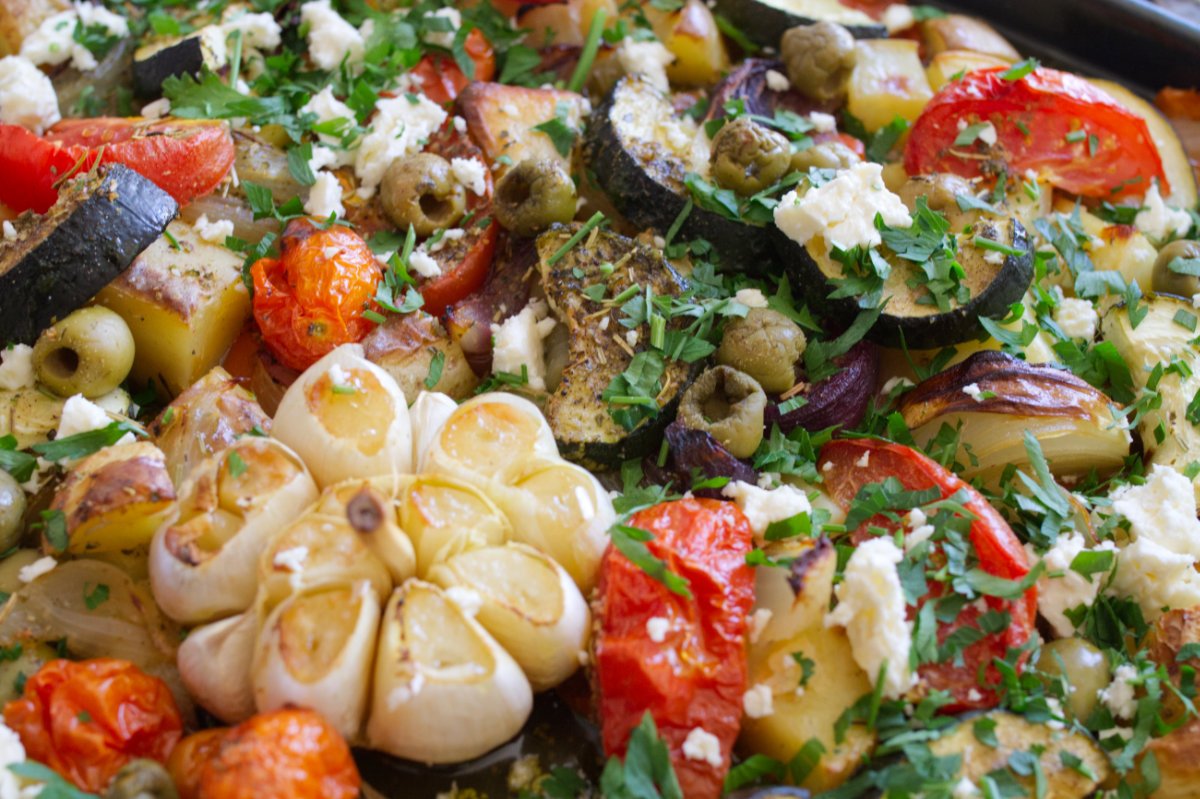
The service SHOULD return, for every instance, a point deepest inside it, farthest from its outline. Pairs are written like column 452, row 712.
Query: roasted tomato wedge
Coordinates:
column 313, row 296
column 694, row 678
column 442, row 79
column 849, row 465
column 1056, row 124
column 31, row 167
column 87, row 719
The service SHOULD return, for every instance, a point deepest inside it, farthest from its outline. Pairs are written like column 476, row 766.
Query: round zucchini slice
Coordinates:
column 764, row 21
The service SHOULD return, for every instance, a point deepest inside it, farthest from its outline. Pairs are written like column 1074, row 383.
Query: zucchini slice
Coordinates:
column 764, row 21
column 171, row 56
column 576, row 410
column 641, row 150
column 92, row 234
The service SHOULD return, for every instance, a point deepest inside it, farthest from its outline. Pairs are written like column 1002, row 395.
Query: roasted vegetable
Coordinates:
column 764, row 21
column 1082, row 667
column 692, row 453
column 691, row 34
column 888, row 81
column 533, row 195
column 1170, row 280
column 415, row 349
column 90, row 352
column 502, row 120
column 419, row 191
column 960, row 32
column 840, row 399
column 167, row 57
column 728, row 405
column 142, row 779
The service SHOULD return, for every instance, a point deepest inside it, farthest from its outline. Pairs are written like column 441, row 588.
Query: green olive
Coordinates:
column 21, row 666
column 142, row 779
column 89, row 352
column 825, row 155
column 12, row 511
column 940, row 191
column 728, row 405
column 1169, row 282
column 421, row 190
column 533, row 195
column 10, row 569
column 819, row 59
column 765, row 345
column 1083, row 667
column 748, row 157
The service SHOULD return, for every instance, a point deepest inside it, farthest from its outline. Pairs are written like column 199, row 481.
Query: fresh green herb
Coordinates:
column 1076, row 136
column 968, row 135
column 83, row 444
column 97, row 38
column 631, row 542
column 174, row 242
column 21, row 465
column 819, row 355
column 596, row 220
column 559, row 128
column 436, row 364
column 1020, row 69
column 591, row 45
column 1186, row 320
column 235, row 464
column 984, row 243
column 297, row 161
column 54, row 529
column 96, row 597
column 1089, row 562
column 753, row 770
column 646, row 773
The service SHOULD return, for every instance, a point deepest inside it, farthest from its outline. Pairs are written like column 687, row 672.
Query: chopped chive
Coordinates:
column 625, row 295
column 658, row 332
column 596, row 220
column 1076, row 135
column 339, row 388
column 586, row 56
column 1021, row 69
column 174, row 242
column 984, row 243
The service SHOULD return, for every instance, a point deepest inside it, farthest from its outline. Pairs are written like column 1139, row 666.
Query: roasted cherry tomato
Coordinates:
column 696, row 676
column 1056, row 124
column 848, row 465
column 442, row 79
column 87, row 719
column 312, row 297
column 292, row 753
column 32, row 166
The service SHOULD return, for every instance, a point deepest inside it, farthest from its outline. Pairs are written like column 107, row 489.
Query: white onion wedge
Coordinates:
column 316, row 650
column 427, row 415
column 214, row 663
column 370, row 509
column 203, row 562
column 444, row 690
column 444, row 517
column 487, row 435
column 528, row 603
column 346, row 418
column 561, row 509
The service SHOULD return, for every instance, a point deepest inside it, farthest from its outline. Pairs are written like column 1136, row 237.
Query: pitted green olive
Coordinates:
column 748, row 157
column 12, row 511
column 89, row 352
column 1082, row 666
column 765, row 345
column 533, row 195
column 831, row 154
column 421, row 190
column 819, row 59
column 728, row 405
column 142, row 779
column 1173, row 281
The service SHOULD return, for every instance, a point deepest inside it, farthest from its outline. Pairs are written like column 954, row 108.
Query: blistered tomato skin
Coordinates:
column 696, row 676
column 89, row 718
column 313, row 297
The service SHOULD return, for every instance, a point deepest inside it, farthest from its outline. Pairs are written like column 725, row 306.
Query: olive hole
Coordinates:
column 435, row 208
column 62, row 363
column 717, row 408
column 516, row 191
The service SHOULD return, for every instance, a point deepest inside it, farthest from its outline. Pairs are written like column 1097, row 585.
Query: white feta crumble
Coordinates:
column 460, row 124
column 993, row 256
column 964, row 788
column 842, row 212
column 657, row 628
column 919, row 530
column 751, row 298
column 987, row 134
column 822, row 122
column 1162, row 509
column 328, row 108
column 16, row 367
column 330, row 37
column 1060, row 588
column 764, row 507
column 973, row 391
column 632, row 337
column 10, row 230
column 213, row 232
column 291, row 560
column 80, row 415
column 518, row 342
column 759, row 620
column 469, row 600
column 1077, row 318
column 974, row 695
column 424, row 264
column 872, row 608
column 649, row 59
column 1118, row 696
column 34, row 570
column 27, row 96
column 1159, row 220
column 259, row 30
column 897, row 17
column 53, row 42
column 758, row 702
column 398, row 128
column 12, row 752
column 1054, row 705
column 777, row 81
column 322, row 157
column 1156, row 578
column 325, row 196
column 470, row 173
column 156, row 109
column 864, row 461
column 1196, row 300
column 703, row 746
column 444, row 38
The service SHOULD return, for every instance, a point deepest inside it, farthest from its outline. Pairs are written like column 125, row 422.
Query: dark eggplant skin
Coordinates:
column 646, row 185
column 185, row 57
column 59, row 261
column 764, row 23
column 696, row 452
column 840, row 399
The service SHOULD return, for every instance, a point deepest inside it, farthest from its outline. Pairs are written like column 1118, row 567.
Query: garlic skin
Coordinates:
column 445, row 517
column 486, row 436
column 528, row 603
column 316, row 650
column 347, row 418
column 215, row 662
column 444, row 690
column 428, row 413
column 203, row 561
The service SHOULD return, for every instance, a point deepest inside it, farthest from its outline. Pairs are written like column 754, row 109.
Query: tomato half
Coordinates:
column 1058, row 125
column 696, row 677
column 441, row 78
column 997, row 547
column 31, row 166
column 87, row 719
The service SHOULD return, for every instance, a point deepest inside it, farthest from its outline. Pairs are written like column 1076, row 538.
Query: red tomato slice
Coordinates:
column 1109, row 154
column 696, row 676
column 999, row 552
column 440, row 77
column 31, row 166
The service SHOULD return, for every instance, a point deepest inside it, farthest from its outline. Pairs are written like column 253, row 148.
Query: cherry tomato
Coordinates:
column 292, row 753
column 697, row 675
column 87, row 719
column 312, row 297
column 999, row 552
column 441, row 78
column 1071, row 133
column 31, row 166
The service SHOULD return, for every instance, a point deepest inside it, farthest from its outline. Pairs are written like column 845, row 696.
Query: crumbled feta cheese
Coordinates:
column 259, row 30
column 325, row 197
column 897, row 17
column 424, row 264
column 974, row 695
column 1196, row 300
column 751, row 298
column 399, row 128
column 758, row 702
column 657, row 628
column 993, row 256
column 649, row 59
column 822, row 122
column 703, row 746
column 919, row 530
column 842, row 212
column 469, row 600
column 34, row 570
column 864, row 461
column 444, row 38
column 330, row 37
column 157, row 109
column 964, row 788
column 16, row 367
column 80, row 415
column 213, row 232
column 1162, row 509
column 1159, row 220
column 631, row 337
column 12, row 752
column 460, row 124
column 322, row 157
column 517, row 342
column 10, row 231
column 1060, row 588
column 777, row 81
column 328, row 108
column 1077, row 318
column 1156, row 578
column 1118, row 696
column 764, row 507
column 453, row 234
column 53, row 42
column 291, row 559
column 1056, row 710
column 470, row 173
column 987, row 134
column 759, row 620
column 27, row 96
column 973, row 391
column 872, row 608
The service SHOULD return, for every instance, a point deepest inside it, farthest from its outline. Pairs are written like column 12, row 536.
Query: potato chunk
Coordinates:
column 888, row 82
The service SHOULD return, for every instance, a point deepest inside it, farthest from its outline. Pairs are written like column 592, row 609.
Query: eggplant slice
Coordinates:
column 764, row 21
column 92, row 234
column 173, row 56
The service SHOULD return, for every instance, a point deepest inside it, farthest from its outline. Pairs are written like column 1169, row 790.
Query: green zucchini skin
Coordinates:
column 764, row 23
column 92, row 234
column 645, row 183
column 921, row 331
